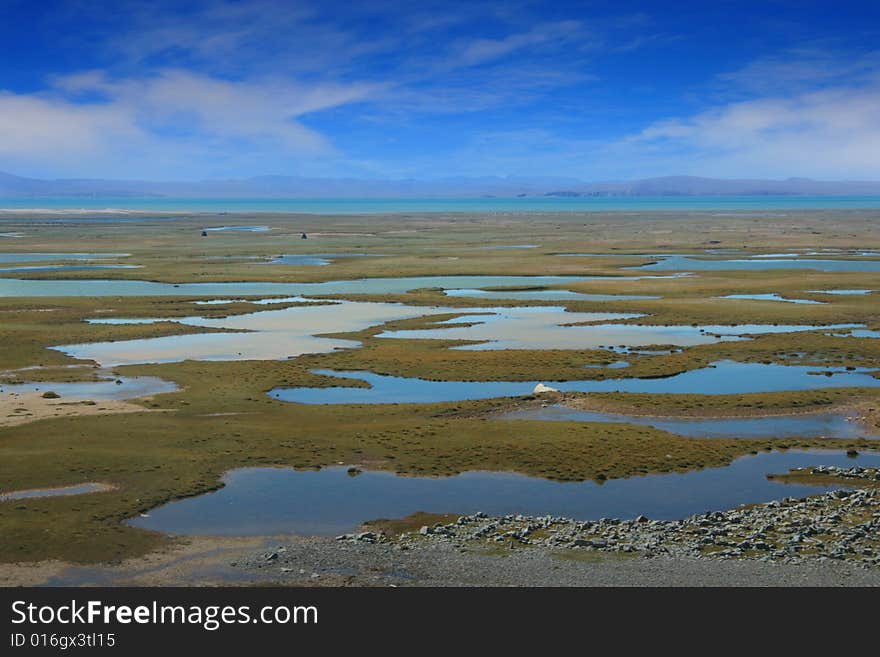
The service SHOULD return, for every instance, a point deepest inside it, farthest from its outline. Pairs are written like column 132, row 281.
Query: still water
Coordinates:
column 258, row 501
column 721, row 378
column 10, row 287
column 811, row 425
column 687, row 263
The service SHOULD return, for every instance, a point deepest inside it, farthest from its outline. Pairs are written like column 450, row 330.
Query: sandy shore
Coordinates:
column 21, row 408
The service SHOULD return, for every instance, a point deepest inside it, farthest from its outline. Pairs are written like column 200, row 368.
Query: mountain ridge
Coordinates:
column 280, row 186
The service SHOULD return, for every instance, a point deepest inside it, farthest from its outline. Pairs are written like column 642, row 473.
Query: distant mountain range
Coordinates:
column 296, row 187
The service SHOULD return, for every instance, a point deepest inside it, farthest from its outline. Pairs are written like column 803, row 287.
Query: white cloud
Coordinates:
column 833, row 133
column 176, row 117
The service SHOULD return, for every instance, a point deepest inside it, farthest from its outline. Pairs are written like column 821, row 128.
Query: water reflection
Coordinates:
column 721, row 378
column 540, row 327
column 688, row 263
column 812, row 425
column 259, row 501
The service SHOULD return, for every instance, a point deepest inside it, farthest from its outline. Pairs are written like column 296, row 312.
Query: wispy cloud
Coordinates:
column 831, row 133
column 173, row 112
column 804, row 67
column 556, row 35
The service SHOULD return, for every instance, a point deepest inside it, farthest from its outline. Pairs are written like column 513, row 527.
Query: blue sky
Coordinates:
column 591, row 90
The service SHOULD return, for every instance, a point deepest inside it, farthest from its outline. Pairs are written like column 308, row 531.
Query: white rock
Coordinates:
column 540, row 388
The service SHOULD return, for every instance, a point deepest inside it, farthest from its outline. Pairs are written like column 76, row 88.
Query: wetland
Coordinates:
column 388, row 365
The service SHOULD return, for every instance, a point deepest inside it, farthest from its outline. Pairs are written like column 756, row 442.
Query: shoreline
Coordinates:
column 479, row 550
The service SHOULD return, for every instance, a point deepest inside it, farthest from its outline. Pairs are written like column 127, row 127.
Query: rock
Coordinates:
column 541, row 388
column 49, row 394
column 425, row 530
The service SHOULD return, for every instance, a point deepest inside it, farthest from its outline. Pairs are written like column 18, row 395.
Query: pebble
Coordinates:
column 787, row 530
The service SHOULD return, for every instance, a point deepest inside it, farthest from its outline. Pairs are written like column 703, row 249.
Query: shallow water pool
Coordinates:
column 128, row 387
column 54, row 257
column 770, row 297
column 259, row 501
column 721, row 378
column 687, row 263
column 11, row 287
column 550, row 327
column 266, row 335
column 543, row 295
column 812, row 425
column 44, row 268
column 317, row 259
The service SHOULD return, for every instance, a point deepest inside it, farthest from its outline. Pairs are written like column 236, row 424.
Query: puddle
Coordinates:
column 77, row 489
column 318, row 259
column 259, row 302
column 549, row 327
column 128, row 388
column 53, row 257
column 818, row 425
column 543, row 295
column 857, row 333
column 259, row 501
column 722, row 378
column 616, row 365
column 687, row 263
column 842, row 291
column 770, row 297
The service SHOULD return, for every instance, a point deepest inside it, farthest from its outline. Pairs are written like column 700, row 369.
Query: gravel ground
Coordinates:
column 430, row 563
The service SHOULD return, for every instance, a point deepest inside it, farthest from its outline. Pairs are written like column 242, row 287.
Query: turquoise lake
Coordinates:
column 389, row 205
